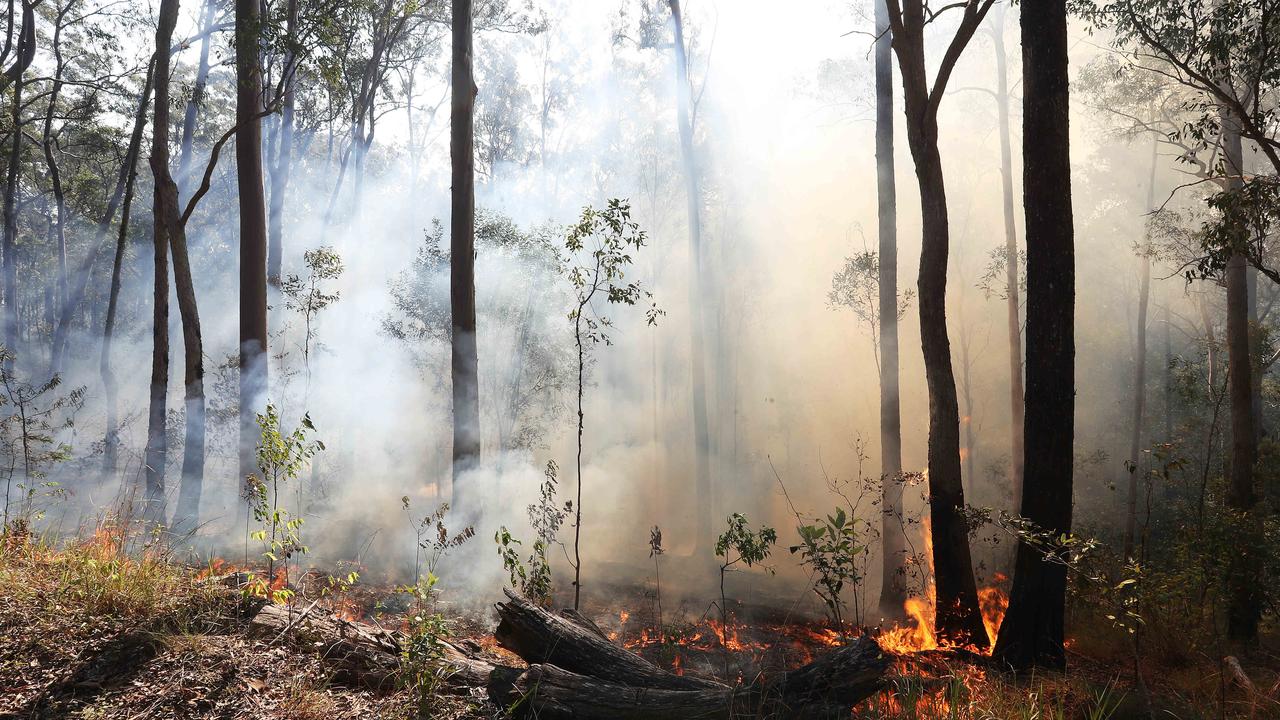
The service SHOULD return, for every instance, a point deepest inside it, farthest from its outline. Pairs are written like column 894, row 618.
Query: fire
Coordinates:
column 993, row 602
column 921, row 635
column 727, row 635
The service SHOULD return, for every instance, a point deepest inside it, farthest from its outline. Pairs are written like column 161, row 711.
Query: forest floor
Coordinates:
column 89, row 631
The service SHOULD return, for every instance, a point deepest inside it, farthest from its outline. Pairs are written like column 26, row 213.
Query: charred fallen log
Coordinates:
column 542, row 637
column 575, row 673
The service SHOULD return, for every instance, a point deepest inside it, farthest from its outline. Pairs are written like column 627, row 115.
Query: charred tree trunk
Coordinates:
column 128, row 174
column 462, row 281
column 1013, row 301
column 192, row 111
column 1243, row 596
column 164, row 218
column 1140, row 371
column 1032, row 631
column 253, row 229
column 958, row 617
column 14, row 75
column 693, row 193
column 281, row 169
column 893, row 590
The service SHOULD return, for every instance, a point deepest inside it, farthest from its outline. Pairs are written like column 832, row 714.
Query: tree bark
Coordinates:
column 893, row 591
column 253, row 230
column 1032, row 631
column 1243, row 597
column 697, row 330
column 462, row 281
column 164, row 217
column 129, row 173
column 1013, row 300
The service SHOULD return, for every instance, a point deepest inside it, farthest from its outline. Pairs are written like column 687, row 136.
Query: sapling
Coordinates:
column 34, row 416
column 739, row 544
column 655, row 552
column 433, row 541
column 533, row 577
column 597, row 253
column 307, row 296
column 281, row 458
column 831, row 546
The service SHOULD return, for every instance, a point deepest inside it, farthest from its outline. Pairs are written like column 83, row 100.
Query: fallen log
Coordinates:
column 827, row 688
column 575, row 673
column 542, row 637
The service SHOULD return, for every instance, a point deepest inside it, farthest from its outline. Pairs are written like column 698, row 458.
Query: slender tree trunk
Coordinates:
column 129, row 173
column 192, row 111
column 164, row 212
column 693, row 193
column 1032, row 631
column 187, row 513
column 893, row 590
column 25, row 54
column 1243, row 601
column 280, row 170
column 1139, row 372
column 51, row 160
column 462, row 281
column 253, row 230
column 957, row 614
column 1013, row 300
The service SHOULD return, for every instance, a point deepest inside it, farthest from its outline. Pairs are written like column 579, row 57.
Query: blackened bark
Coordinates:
column 462, row 281
column 1032, row 631
column 253, row 229
column 164, row 214
column 693, row 194
column 1013, row 299
column 894, row 542
column 111, row 440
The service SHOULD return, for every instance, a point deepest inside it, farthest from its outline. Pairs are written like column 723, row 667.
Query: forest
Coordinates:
column 640, row 359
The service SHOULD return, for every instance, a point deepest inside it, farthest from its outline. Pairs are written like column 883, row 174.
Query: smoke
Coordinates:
column 785, row 152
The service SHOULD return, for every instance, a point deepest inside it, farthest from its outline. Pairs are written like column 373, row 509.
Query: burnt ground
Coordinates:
column 91, row 634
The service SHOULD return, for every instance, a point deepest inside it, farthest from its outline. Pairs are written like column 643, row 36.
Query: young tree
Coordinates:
column 462, row 282
column 893, row 591
column 1032, row 630
column 253, row 228
column 958, row 616
column 598, row 253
